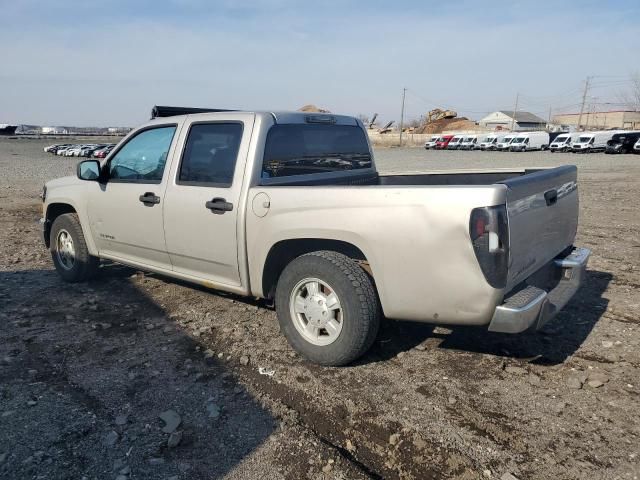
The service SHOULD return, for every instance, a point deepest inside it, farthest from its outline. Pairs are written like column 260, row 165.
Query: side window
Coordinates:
column 143, row 158
column 210, row 154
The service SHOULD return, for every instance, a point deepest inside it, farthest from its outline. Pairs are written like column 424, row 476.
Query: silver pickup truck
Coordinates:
column 290, row 207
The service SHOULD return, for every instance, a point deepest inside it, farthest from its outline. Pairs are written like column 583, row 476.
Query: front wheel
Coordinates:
column 327, row 308
column 69, row 250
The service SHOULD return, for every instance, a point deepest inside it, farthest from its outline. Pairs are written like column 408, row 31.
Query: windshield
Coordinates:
column 561, row 138
column 301, row 149
column 507, row 139
column 519, row 140
column 584, row 139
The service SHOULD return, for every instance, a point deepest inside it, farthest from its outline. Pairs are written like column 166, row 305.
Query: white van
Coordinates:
column 503, row 145
column 469, row 142
column 588, row 142
column 455, row 142
column 431, row 143
column 490, row 141
column 530, row 141
column 636, row 147
column 562, row 142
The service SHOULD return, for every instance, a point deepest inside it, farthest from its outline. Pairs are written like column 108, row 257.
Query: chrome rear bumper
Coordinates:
column 534, row 306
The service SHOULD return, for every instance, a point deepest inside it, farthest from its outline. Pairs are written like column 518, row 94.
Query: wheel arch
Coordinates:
column 54, row 210
column 283, row 252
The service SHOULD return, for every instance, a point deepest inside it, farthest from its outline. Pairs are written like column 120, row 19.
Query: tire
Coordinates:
column 357, row 319
column 72, row 260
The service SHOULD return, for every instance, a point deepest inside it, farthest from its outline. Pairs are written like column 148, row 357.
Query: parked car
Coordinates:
column 431, row 143
column 469, row 142
column 528, row 141
column 63, row 151
column 290, row 207
column 504, row 144
column 491, row 141
column 622, row 142
column 443, row 141
column 455, row 142
column 588, row 142
column 636, row 147
column 562, row 142
column 102, row 152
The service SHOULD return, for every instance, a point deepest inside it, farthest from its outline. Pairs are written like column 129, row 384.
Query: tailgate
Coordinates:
column 542, row 208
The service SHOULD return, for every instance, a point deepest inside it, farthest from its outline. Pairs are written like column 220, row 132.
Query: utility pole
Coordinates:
column 549, row 119
column 404, row 91
column 515, row 109
column 584, row 98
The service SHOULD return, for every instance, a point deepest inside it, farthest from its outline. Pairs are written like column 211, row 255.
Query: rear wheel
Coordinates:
column 69, row 250
column 327, row 308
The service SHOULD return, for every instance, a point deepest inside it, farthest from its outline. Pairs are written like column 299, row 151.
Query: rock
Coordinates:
column 156, row 461
column 171, row 419
column 32, row 403
column 451, row 400
column 126, row 470
column 515, row 370
column 3, row 458
column 121, row 420
column 576, row 381
column 559, row 407
column 486, row 473
column 150, row 326
column 350, row 446
column 244, row 360
column 394, row 439
column 533, row 379
column 508, row 476
column 122, row 477
column 607, row 344
column 118, row 464
column 111, row 439
column 597, row 380
column 327, row 468
column 213, row 410
column 422, row 347
column 174, row 439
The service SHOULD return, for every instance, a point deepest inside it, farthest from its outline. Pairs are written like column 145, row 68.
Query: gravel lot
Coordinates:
column 88, row 372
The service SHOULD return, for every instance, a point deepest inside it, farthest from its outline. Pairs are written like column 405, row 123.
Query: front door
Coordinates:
column 201, row 214
column 125, row 212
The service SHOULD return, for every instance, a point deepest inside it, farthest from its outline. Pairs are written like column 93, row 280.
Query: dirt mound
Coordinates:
column 439, row 126
column 312, row 108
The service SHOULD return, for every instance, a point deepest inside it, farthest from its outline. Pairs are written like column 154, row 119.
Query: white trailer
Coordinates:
column 527, row 141
column 562, row 143
column 588, row 142
column 503, row 145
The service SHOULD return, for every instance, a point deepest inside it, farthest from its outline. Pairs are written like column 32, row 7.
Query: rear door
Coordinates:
column 542, row 208
column 202, row 208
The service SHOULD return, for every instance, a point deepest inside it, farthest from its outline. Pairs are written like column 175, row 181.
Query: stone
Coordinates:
column 486, row 473
column 607, row 344
column 350, row 446
column 213, row 410
column 394, row 439
column 32, row 403
column 597, row 380
column 576, row 381
column 121, row 420
column 174, row 439
column 515, row 370
column 244, row 360
column 171, row 419
column 327, row 468
column 111, row 439
column 126, row 470
column 508, row 476
column 156, row 461
column 534, row 379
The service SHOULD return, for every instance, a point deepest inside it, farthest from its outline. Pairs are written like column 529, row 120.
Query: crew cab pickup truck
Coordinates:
column 290, row 207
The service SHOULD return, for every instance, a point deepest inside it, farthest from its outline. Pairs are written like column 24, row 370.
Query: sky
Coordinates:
column 106, row 63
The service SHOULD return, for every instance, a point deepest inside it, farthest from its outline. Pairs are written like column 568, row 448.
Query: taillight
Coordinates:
column 489, row 232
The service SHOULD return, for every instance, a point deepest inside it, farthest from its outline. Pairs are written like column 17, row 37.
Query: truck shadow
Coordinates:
column 105, row 349
column 557, row 340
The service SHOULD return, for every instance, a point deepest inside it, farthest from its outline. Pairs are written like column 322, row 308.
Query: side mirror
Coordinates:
column 89, row 170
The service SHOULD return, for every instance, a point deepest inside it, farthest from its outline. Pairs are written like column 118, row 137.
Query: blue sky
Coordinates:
column 106, row 63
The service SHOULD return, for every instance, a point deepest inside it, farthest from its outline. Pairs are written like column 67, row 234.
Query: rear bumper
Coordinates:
column 534, row 306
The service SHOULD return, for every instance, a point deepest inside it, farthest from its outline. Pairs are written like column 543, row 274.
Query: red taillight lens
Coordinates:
column 489, row 232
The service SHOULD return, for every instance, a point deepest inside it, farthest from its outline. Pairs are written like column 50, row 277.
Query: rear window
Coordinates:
column 302, row 149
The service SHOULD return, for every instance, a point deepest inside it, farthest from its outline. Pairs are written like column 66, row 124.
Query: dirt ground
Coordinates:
column 87, row 371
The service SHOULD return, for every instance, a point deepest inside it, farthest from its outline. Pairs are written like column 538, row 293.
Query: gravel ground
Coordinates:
column 88, row 372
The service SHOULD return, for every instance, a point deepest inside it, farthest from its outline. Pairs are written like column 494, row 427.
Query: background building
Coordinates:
column 601, row 120
column 502, row 120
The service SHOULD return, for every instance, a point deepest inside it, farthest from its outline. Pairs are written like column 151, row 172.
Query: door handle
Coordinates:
column 551, row 196
column 149, row 199
column 219, row 205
